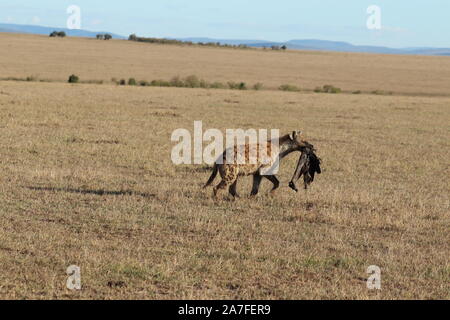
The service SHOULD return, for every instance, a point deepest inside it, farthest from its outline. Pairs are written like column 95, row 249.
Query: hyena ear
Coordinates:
column 295, row 134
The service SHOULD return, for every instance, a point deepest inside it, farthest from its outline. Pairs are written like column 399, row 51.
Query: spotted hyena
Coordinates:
column 249, row 160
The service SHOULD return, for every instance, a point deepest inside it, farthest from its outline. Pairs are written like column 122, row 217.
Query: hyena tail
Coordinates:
column 213, row 176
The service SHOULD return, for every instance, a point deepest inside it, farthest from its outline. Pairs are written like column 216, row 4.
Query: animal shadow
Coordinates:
column 98, row 192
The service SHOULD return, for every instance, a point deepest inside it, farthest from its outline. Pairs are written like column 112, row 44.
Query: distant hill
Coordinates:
column 18, row 28
column 325, row 45
column 308, row 44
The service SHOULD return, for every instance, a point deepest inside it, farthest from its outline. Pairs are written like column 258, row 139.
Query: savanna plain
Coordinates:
column 87, row 178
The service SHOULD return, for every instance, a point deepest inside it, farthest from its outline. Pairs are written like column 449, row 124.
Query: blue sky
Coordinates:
column 405, row 23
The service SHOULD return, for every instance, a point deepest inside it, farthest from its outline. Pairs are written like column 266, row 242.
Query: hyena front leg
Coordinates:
column 275, row 181
column 256, row 182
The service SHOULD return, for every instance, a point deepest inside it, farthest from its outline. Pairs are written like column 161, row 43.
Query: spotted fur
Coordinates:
column 255, row 163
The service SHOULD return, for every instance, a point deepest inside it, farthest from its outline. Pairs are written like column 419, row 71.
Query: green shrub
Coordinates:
column 258, row 86
column 237, row 85
column 232, row 85
column 160, row 83
column 217, row 85
column 335, row 90
column 73, row 79
column 289, row 87
column 357, row 92
column 132, row 82
column 328, row 89
column 176, row 82
column 32, row 78
column 122, row 82
column 144, row 83
column 192, row 82
column 204, row 84
column 61, row 34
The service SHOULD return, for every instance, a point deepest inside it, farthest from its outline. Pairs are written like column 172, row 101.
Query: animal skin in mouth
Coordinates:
column 307, row 166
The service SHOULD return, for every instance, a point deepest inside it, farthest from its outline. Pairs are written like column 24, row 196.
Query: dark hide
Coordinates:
column 308, row 165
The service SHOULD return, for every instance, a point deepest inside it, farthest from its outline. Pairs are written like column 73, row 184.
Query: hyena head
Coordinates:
column 296, row 142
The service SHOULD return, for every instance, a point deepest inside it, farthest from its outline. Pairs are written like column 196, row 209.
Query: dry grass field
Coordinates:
column 87, row 179
column 55, row 59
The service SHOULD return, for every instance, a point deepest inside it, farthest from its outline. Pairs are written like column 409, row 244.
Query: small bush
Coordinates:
column 107, row 36
column 242, row 86
column 217, row 85
column 32, row 78
column 192, row 82
column 328, row 89
column 237, row 85
column 132, row 82
column 232, row 85
column 144, row 83
column 331, row 89
column 258, row 86
column 176, row 82
column 60, row 34
column 289, row 87
column 122, row 82
column 335, row 90
column 73, row 79
column 204, row 84
column 357, row 92
column 160, row 83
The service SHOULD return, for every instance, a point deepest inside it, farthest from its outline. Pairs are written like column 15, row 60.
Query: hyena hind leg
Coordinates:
column 222, row 185
column 229, row 179
column 231, row 184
